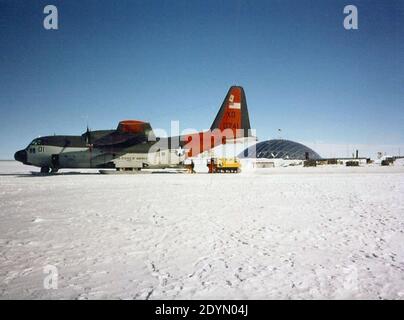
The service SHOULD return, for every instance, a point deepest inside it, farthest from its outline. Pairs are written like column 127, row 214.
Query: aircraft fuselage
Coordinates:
column 132, row 145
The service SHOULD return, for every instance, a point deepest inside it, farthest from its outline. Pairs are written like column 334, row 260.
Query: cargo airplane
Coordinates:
column 133, row 145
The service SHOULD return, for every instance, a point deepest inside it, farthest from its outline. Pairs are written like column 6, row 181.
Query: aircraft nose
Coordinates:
column 21, row 156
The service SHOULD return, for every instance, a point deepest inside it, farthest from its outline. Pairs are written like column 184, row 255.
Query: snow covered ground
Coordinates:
column 301, row 233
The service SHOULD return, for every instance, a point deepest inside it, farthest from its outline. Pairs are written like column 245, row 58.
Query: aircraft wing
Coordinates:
column 119, row 139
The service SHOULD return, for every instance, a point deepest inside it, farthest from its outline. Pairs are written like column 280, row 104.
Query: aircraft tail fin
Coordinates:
column 233, row 113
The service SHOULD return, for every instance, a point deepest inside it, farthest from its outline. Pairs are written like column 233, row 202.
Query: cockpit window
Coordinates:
column 36, row 142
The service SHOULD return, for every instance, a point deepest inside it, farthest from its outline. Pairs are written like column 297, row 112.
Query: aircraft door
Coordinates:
column 55, row 161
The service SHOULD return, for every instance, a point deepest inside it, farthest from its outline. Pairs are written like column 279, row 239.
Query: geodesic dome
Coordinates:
column 279, row 149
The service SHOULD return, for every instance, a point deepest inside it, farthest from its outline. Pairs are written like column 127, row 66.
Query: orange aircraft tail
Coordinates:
column 231, row 122
column 233, row 113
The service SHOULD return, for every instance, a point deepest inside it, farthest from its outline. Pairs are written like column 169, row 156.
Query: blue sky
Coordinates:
column 175, row 60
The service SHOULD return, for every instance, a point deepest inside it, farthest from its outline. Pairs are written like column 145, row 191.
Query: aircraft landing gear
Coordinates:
column 54, row 170
column 44, row 169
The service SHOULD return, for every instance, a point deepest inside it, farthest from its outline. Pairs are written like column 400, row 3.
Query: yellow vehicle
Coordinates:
column 222, row 165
